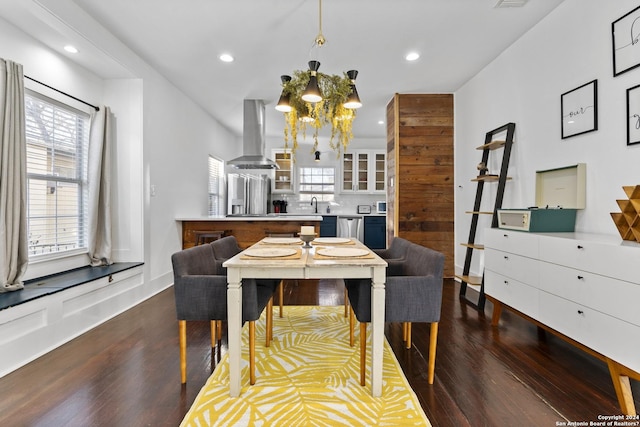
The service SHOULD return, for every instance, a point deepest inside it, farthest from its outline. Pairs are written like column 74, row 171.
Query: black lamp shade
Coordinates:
column 312, row 92
column 283, row 102
column 353, row 100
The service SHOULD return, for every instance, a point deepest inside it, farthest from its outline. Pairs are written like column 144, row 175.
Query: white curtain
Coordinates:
column 14, row 256
column 99, row 176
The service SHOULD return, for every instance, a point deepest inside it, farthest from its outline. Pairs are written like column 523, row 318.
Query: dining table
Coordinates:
column 290, row 258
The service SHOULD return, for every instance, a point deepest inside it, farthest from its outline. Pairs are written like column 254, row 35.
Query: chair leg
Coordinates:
column 269, row 326
column 433, row 340
column 219, row 329
column 346, row 302
column 182, row 334
column 352, row 322
column 407, row 341
column 281, row 292
column 363, row 352
column 252, row 352
column 214, row 328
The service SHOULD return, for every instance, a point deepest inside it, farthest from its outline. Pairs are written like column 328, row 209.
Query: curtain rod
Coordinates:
column 64, row 93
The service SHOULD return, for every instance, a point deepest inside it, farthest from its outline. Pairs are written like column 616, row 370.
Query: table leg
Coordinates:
column 377, row 330
column 234, row 330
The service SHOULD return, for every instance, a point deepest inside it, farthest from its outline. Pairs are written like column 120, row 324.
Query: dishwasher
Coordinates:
column 350, row 226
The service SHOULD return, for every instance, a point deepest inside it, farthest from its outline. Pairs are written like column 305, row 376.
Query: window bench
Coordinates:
column 41, row 317
column 47, row 285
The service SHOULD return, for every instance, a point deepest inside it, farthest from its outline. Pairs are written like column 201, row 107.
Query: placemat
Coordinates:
column 297, row 255
column 320, row 241
column 280, row 241
column 370, row 255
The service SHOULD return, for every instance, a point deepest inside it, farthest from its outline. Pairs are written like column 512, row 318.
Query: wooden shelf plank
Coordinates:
column 473, row 245
column 471, row 280
column 488, row 178
column 493, row 145
column 479, row 212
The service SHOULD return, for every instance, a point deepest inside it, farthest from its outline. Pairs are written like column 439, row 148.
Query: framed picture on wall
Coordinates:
column 633, row 115
column 625, row 34
column 579, row 109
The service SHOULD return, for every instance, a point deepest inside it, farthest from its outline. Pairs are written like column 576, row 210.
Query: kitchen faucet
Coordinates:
column 312, row 199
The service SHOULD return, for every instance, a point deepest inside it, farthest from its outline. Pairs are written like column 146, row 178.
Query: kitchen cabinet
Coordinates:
column 363, row 171
column 329, row 226
column 283, row 181
column 375, row 230
column 581, row 287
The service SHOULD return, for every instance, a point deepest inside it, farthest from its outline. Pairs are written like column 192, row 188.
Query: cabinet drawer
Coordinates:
column 515, row 242
column 607, row 335
column 614, row 260
column 511, row 292
column 610, row 296
column 514, row 266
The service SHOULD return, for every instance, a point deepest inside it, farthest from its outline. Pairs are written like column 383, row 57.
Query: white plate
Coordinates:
column 332, row 240
column 342, row 252
column 269, row 252
column 281, row 240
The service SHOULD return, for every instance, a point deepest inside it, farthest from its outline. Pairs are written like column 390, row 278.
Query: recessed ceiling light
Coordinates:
column 225, row 57
column 71, row 49
column 412, row 56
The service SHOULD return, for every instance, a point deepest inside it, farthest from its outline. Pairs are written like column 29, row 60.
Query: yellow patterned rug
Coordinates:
column 309, row 376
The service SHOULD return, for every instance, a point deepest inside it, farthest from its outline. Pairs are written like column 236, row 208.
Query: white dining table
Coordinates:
column 309, row 265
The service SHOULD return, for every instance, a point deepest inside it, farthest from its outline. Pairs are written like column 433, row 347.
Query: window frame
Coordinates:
column 321, row 195
column 80, row 158
column 220, row 194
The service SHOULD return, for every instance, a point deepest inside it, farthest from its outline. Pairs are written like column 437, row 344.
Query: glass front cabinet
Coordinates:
column 284, row 177
column 363, row 171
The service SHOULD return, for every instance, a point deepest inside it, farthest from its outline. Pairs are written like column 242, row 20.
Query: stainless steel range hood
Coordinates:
column 253, row 139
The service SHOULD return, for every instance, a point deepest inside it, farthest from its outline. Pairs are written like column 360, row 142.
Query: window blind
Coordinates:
column 57, row 143
column 317, row 181
column 216, row 186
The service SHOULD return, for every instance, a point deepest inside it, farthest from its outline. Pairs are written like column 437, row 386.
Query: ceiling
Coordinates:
column 183, row 39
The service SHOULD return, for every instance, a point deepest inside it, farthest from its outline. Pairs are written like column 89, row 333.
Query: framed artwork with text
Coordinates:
column 625, row 34
column 579, row 109
column 633, row 115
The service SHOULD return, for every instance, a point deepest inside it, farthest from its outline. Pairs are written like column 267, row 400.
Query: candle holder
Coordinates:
column 307, row 238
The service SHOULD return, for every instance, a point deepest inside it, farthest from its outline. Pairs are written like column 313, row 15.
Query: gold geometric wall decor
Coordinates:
column 628, row 220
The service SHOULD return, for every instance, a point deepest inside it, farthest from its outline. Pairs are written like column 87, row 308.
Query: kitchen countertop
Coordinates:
column 272, row 217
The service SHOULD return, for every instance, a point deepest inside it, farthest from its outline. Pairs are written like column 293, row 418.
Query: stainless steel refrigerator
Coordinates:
column 248, row 194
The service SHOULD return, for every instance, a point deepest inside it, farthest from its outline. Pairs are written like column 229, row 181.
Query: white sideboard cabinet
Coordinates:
column 585, row 288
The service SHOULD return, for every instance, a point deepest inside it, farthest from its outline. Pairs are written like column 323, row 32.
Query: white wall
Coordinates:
column 163, row 139
column 570, row 47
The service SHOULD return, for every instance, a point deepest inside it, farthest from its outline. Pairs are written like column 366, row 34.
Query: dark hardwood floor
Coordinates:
column 126, row 371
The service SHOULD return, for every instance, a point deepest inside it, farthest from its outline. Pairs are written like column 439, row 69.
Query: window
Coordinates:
column 216, row 186
column 318, row 182
column 57, row 144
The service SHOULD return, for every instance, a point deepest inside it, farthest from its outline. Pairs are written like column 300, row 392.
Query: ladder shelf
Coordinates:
column 490, row 144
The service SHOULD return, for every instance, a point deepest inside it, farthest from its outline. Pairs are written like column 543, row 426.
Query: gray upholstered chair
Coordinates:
column 394, row 255
column 201, row 294
column 227, row 247
column 413, row 296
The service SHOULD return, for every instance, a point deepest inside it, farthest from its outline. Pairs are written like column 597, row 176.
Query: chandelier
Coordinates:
column 317, row 99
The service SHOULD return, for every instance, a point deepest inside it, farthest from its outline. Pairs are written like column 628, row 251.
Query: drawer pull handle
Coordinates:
column 580, row 277
column 506, row 282
column 580, row 247
column 506, row 257
column 505, row 235
column 580, row 312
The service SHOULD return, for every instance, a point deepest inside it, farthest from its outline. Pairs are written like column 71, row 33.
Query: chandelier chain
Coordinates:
column 320, row 40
